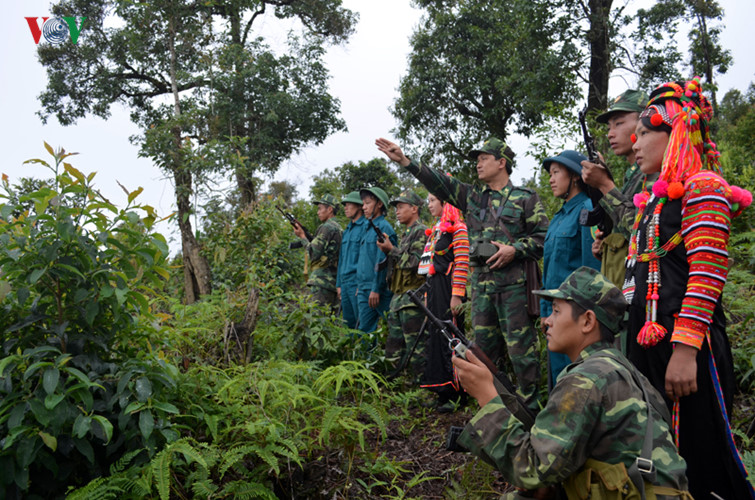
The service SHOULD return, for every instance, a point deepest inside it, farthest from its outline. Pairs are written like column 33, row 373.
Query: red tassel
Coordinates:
column 650, row 334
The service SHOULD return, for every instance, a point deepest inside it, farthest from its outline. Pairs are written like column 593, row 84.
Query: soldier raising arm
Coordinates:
column 506, row 226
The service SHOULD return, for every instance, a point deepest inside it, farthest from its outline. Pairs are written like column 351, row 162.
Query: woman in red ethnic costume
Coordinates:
column 676, row 270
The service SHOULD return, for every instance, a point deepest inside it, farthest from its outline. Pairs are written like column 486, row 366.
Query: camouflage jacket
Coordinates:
column 518, row 208
column 619, row 205
column 404, row 261
column 596, row 410
column 323, row 255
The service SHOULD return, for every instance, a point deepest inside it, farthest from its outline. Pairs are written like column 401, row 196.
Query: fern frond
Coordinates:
column 247, row 490
column 377, row 416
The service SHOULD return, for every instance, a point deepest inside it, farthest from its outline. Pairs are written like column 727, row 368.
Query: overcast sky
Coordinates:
column 365, row 75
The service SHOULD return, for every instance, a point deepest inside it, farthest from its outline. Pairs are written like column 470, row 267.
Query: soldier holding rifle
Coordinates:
column 604, row 432
column 507, row 226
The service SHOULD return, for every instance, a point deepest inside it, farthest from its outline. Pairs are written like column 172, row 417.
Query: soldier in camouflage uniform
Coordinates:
column 405, row 318
column 507, row 225
column 591, row 433
column 621, row 119
column 323, row 252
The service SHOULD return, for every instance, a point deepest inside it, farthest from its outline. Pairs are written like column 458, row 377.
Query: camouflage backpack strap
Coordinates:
column 643, row 468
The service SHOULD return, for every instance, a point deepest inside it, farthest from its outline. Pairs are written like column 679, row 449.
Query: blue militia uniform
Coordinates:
column 369, row 278
column 346, row 279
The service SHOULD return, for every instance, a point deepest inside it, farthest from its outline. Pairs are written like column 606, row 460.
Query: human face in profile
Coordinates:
column 434, row 205
column 649, row 148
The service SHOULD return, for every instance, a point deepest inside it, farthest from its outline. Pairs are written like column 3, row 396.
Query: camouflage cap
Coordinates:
column 630, row 100
column 352, row 197
column 326, row 199
column 495, row 147
column 376, row 192
column 409, row 197
column 593, row 292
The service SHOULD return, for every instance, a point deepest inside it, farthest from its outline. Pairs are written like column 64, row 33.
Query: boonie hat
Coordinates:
column 570, row 159
column 593, row 292
column 630, row 100
column 495, row 147
column 352, row 197
column 409, row 197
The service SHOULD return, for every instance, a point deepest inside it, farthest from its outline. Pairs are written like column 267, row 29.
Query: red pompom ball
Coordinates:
column 675, row 190
column 640, row 199
column 737, row 194
column 428, row 231
column 660, row 188
column 633, row 138
column 746, row 199
column 656, row 120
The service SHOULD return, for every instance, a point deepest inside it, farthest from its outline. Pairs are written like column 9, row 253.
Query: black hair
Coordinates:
column 384, row 209
column 577, row 311
column 663, row 127
column 509, row 155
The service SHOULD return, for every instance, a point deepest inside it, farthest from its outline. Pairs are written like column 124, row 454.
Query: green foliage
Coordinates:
column 78, row 380
column 478, row 67
column 352, row 177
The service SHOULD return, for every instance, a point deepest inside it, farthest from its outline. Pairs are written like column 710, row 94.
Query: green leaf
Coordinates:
column 74, row 172
column 23, row 295
column 133, row 194
column 35, row 275
column 92, row 309
column 146, row 423
column 166, row 407
column 50, row 441
column 50, row 379
column 134, row 407
column 34, row 367
column 53, row 400
column 85, row 448
column 7, row 361
column 107, row 427
column 49, row 149
column 81, row 425
column 143, row 389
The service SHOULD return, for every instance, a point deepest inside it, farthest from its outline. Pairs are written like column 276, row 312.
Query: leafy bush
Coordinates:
column 79, row 383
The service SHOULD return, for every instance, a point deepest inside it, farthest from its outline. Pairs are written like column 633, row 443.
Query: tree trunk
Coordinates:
column 197, row 281
column 197, row 276
column 598, row 38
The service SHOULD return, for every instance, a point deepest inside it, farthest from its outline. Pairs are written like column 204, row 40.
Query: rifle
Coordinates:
column 292, row 220
column 597, row 216
column 459, row 344
column 380, row 236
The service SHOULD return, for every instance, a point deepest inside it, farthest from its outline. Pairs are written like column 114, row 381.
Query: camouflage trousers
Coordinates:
column 403, row 327
column 323, row 296
column 501, row 325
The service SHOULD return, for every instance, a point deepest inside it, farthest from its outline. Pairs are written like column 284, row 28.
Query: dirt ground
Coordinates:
column 412, row 462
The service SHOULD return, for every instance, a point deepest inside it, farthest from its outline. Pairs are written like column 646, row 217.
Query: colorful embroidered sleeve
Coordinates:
column 461, row 261
column 706, row 220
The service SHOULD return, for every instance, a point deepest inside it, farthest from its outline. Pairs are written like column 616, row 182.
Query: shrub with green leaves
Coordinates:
column 79, row 383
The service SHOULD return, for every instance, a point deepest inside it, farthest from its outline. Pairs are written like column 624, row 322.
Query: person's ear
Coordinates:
column 588, row 321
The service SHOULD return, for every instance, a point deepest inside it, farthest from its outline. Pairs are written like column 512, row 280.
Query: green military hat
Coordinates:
column 409, row 197
column 495, row 147
column 326, row 199
column 631, row 100
column 592, row 291
column 352, row 197
column 376, row 192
